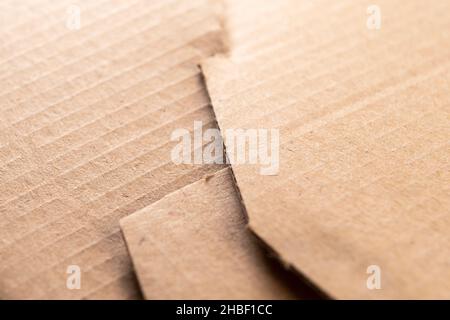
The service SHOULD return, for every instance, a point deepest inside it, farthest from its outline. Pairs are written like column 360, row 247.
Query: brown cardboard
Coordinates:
column 364, row 122
column 194, row 244
column 85, row 124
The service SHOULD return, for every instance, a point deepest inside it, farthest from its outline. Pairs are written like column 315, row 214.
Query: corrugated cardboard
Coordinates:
column 86, row 117
column 364, row 120
column 194, row 244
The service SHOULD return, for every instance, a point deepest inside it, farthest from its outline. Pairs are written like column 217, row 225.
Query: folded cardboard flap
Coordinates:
column 359, row 94
column 194, row 244
column 85, row 135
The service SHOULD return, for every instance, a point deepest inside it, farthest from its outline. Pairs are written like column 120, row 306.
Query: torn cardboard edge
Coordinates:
column 227, row 261
column 373, row 90
column 271, row 251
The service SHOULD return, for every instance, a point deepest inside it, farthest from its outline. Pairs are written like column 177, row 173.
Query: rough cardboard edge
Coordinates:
column 290, row 267
column 294, row 280
column 271, row 251
column 123, row 222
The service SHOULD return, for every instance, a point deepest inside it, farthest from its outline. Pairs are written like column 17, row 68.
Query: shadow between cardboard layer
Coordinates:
column 195, row 244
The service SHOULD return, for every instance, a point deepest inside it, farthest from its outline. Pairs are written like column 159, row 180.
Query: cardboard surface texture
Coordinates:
column 364, row 121
column 194, row 244
column 86, row 115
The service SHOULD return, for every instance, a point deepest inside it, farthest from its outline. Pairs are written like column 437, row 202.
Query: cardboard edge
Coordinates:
column 290, row 268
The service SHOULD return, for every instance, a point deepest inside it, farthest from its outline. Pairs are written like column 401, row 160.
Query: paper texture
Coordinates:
column 364, row 122
column 194, row 244
column 90, row 92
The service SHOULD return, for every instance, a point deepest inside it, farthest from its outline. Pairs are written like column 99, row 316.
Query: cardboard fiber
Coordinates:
column 86, row 117
column 364, row 120
column 194, row 244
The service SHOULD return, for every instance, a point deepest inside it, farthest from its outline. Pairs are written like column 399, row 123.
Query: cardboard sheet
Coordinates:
column 361, row 98
column 90, row 92
column 194, row 244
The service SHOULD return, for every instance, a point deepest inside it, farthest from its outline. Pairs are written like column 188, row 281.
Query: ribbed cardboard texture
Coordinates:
column 85, row 124
column 364, row 120
column 194, row 244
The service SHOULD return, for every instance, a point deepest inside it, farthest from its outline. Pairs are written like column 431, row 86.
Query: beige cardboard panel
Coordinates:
column 86, row 118
column 194, row 244
column 364, row 122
